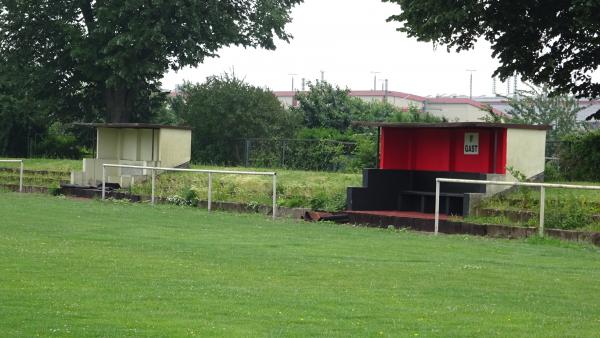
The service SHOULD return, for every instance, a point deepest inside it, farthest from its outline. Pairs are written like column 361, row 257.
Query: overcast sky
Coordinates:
column 349, row 39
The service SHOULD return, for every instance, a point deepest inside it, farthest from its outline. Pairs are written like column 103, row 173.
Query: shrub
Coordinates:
column 580, row 156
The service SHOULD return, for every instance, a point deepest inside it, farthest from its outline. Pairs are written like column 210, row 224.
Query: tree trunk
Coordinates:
column 119, row 104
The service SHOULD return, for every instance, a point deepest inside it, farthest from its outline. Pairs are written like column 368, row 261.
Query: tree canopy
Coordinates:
column 223, row 111
column 536, row 106
column 108, row 56
column 547, row 42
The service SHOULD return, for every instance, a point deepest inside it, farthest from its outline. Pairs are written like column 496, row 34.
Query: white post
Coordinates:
column 274, row 196
column 437, row 206
column 153, row 185
column 209, row 191
column 21, row 178
column 103, row 181
column 542, row 207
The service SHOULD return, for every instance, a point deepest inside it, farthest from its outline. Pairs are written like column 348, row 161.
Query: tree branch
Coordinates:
column 88, row 14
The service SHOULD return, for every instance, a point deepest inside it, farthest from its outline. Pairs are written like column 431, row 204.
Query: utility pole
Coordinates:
column 322, row 75
column 375, row 80
column 303, row 84
column 471, row 82
column 292, row 75
column 385, row 91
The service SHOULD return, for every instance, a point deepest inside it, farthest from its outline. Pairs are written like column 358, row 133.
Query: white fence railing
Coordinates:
column 20, row 171
column 209, row 172
column 542, row 187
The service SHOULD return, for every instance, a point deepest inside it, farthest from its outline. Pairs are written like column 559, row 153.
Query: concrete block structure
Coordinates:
column 133, row 144
column 413, row 155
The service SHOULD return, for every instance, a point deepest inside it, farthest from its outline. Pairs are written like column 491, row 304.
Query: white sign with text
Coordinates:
column 471, row 143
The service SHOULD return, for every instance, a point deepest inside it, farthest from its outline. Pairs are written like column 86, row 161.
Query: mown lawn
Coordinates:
column 91, row 268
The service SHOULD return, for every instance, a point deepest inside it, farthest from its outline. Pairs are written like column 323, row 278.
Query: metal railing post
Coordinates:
column 209, row 191
column 274, row 196
column 437, row 206
column 210, row 176
column 542, row 208
column 153, row 185
column 21, row 178
column 103, row 181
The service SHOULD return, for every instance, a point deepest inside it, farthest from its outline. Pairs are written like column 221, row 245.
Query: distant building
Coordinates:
column 501, row 103
column 451, row 108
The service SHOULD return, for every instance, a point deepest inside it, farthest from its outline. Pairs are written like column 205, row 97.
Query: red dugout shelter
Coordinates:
column 412, row 155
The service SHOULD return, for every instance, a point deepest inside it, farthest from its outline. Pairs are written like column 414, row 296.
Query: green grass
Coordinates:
column 309, row 189
column 46, row 164
column 56, row 171
column 295, row 188
column 87, row 268
column 571, row 209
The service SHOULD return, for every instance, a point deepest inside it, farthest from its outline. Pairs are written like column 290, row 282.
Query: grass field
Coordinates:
column 87, row 268
column 296, row 188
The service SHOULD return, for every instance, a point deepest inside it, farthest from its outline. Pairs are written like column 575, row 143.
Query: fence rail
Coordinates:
column 205, row 171
column 542, row 187
column 20, row 171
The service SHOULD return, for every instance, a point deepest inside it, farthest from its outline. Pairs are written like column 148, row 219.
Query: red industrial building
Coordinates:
column 413, row 155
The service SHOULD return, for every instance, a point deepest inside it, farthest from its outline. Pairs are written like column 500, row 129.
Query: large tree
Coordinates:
column 109, row 55
column 225, row 110
column 547, row 42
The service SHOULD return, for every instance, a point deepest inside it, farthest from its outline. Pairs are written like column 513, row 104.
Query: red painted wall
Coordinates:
column 442, row 149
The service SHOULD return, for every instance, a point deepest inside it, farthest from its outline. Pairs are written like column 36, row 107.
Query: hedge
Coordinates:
column 580, row 156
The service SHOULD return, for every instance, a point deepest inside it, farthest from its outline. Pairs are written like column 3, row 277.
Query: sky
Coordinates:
column 348, row 40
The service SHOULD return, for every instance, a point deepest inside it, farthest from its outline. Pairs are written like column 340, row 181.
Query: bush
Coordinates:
column 580, row 156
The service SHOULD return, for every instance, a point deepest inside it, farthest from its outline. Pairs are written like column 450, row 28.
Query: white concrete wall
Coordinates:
column 175, row 147
column 129, row 144
column 107, row 143
column 286, row 101
column 393, row 100
column 526, row 151
column 456, row 112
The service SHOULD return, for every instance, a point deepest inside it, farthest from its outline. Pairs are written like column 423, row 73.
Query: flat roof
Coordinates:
column 131, row 126
column 451, row 125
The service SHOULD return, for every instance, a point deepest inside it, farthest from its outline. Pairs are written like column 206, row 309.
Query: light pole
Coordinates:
column 471, row 82
column 375, row 80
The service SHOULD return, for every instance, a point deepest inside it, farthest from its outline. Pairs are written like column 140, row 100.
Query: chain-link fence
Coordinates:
column 304, row 154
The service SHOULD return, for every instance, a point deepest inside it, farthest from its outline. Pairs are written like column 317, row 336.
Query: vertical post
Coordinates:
column 542, row 208
column 283, row 144
column 153, row 185
column 209, row 191
column 378, row 164
column 21, row 177
column 247, row 152
column 103, row 181
column 274, row 195
column 437, row 206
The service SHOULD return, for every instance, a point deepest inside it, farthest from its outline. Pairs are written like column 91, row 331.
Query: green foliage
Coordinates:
column 111, row 55
column 559, row 51
column 413, row 115
column 326, row 106
column 552, row 172
column 538, row 107
column 569, row 213
column 223, row 111
column 579, row 155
